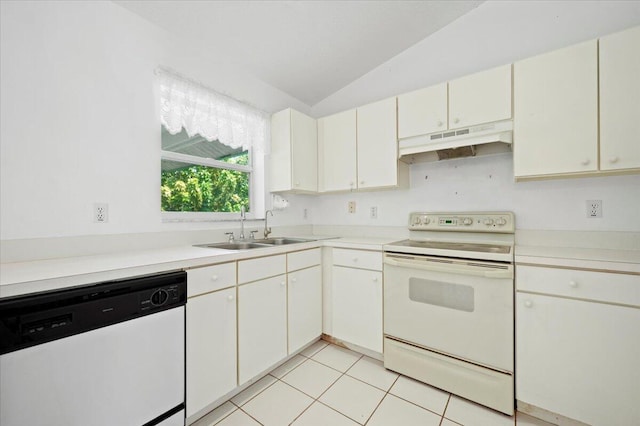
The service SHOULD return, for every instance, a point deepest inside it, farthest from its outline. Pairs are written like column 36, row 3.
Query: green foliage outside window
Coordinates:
column 195, row 188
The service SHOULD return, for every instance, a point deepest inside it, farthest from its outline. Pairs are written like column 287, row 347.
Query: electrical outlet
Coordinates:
column 352, row 206
column 594, row 208
column 101, row 212
column 373, row 212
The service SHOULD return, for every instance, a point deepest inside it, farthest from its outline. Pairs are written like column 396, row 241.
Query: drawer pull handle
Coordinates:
column 573, row 284
column 528, row 303
column 214, row 278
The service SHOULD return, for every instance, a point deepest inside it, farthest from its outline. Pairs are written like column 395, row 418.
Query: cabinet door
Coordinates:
column 293, row 162
column 377, row 153
column 262, row 326
column 211, row 348
column 304, row 307
column 357, row 307
column 304, row 151
column 578, row 359
column 337, row 151
column 556, row 112
column 480, row 98
column 423, row 111
column 620, row 100
column 280, row 155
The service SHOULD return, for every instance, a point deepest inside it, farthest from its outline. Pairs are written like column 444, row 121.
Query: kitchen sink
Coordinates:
column 254, row 244
column 281, row 241
column 236, row 245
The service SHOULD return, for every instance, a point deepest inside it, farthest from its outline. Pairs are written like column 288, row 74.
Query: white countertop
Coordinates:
column 606, row 251
column 41, row 275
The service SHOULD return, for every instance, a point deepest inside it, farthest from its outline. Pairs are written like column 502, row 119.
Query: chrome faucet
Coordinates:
column 267, row 230
column 243, row 216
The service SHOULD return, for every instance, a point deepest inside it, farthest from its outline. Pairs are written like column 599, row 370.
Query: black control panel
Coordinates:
column 43, row 317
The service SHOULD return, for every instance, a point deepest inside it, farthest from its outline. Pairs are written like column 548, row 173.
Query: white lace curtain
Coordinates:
column 199, row 110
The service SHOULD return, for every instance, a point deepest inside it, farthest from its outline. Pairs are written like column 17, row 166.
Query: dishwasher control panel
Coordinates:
column 159, row 297
column 43, row 317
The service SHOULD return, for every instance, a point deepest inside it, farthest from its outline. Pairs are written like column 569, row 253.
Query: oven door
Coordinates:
column 462, row 308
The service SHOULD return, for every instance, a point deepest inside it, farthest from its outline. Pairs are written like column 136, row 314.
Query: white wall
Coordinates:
column 495, row 33
column 486, row 184
column 80, row 120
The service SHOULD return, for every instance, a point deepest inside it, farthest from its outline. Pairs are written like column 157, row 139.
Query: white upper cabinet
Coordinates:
column 293, row 162
column 337, row 151
column 480, row 98
column 423, row 111
column 556, row 112
column 377, row 145
column 620, row 100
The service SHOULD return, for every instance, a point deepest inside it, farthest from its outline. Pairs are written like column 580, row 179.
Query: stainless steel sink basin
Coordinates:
column 281, row 241
column 236, row 245
column 254, row 244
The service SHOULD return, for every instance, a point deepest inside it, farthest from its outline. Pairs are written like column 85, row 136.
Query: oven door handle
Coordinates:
column 452, row 268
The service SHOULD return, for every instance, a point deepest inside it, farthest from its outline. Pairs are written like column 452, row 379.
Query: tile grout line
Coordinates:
column 380, row 402
column 314, row 399
column 445, row 409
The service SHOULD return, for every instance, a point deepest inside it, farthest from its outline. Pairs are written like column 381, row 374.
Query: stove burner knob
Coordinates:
column 417, row 221
column 467, row 221
column 501, row 221
column 425, row 221
column 488, row 221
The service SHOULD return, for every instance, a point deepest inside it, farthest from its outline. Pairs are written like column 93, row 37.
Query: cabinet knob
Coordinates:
column 351, row 184
column 375, row 279
column 439, row 123
column 214, row 278
column 361, row 182
column 573, row 284
column 297, row 183
column 294, row 280
column 282, row 284
column 456, row 120
column 585, row 162
column 528, row 303
column 613, row 160
column 230, row 297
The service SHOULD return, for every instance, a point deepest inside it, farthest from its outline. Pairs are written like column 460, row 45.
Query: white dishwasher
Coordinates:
column 105, row 354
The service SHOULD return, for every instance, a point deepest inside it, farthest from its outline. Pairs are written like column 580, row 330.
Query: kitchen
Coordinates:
column 84, row 106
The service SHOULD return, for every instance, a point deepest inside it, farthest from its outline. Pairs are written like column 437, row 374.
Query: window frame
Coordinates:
column 210, row 162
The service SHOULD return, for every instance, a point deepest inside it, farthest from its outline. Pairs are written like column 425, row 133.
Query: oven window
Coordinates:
column 448, row 295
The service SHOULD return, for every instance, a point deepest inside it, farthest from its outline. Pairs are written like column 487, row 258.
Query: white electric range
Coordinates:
column 448, row 305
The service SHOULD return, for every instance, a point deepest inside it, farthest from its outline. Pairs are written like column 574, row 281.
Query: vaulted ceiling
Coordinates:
column 308, row 49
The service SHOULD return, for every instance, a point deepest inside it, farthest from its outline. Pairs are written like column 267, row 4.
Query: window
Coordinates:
column 212, row 155
column 198, row 175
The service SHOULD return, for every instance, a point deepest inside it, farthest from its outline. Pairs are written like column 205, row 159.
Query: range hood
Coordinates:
column 490, row 138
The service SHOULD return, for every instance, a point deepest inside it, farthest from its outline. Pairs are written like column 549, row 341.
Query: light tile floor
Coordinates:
column 327, row 385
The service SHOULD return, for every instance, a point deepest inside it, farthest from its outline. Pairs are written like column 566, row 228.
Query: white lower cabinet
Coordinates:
column 357, row 304
column 578, row 358
column 211, row 348
column 304, row 307
column 262, row 326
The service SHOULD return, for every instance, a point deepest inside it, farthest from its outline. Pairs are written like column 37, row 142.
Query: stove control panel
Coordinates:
column 502, row 222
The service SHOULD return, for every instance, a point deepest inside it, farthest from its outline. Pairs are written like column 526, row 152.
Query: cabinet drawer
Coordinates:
column 599, row 286
column 210, row 278
column 358, row 259
column 303, row 259
column 260, row 268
